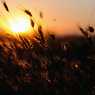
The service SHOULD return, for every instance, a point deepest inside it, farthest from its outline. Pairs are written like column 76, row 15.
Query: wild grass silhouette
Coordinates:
column 47, row 66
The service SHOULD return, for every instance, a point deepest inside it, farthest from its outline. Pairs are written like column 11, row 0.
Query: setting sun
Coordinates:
column 20, row 24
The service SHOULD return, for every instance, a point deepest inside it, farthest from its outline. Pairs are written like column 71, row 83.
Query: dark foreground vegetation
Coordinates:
column 46, row 65
column 50, row 66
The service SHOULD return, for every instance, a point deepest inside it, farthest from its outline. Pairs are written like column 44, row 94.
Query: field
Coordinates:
column 47, row 64
column 51, row 66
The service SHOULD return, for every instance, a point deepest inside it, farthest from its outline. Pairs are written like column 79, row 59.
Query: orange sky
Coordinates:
column 68, row 13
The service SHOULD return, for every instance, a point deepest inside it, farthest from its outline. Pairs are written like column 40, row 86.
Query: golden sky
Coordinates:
column 68, row 13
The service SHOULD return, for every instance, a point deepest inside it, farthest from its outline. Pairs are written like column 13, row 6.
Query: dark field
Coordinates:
column 47, row 65
column 51, row 66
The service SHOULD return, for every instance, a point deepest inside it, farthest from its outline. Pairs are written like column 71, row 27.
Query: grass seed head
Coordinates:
column 41, row 14
column 32, row 23
column 83, row 32
column 28, row 12
column 91, row 29
column 5, row 6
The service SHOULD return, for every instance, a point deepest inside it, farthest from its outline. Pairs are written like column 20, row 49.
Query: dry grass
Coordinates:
column 47, row 66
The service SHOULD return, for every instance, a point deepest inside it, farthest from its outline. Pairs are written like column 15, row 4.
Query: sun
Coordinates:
column 19, row 24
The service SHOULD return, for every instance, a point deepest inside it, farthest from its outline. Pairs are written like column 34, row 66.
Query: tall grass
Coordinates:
column 47, row 66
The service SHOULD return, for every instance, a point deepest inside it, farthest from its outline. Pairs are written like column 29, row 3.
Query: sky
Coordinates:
column 61, row 16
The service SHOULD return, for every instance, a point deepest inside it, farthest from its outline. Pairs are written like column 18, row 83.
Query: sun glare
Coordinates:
column 19, row 24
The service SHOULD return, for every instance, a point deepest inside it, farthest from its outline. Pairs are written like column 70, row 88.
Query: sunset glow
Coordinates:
column 62, row 18
column 19, row 24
